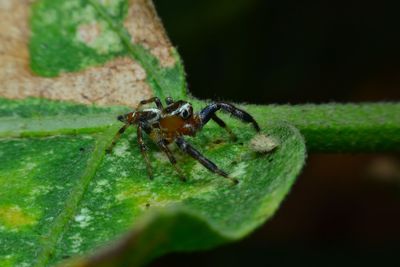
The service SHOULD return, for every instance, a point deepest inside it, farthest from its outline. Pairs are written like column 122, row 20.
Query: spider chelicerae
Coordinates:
column 165, row 125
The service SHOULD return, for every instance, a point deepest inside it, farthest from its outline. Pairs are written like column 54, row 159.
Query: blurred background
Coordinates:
column 344, row 210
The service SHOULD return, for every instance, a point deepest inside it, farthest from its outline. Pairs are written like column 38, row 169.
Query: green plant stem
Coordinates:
column 369, row 127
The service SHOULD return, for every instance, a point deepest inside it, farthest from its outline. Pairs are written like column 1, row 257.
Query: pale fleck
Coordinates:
column 88, row 33
column 50, row 17
column 198, row 171
column 98, row 36
column 262, row 143
column 100, row 186
column 50, row 152
column 83, row 218
column 161, row 156
column 76, row 242
column 39, row 190
column 102, row 182
column 30, row 166
column 121, row 150
column 239, row 170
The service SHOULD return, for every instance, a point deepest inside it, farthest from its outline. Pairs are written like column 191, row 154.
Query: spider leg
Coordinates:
column 172, row 159
column 116, row 137
column 143, row 150
column 207, row 113
column 191, row 151
column 150, row 100
column 222, row 124
column 169, row 100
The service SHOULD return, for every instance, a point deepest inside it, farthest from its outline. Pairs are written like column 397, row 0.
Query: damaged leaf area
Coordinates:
column 86, row 51
column 73, row 30
column 62, row 197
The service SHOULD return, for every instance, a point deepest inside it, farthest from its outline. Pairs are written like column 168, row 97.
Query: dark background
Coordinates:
column 344, row 210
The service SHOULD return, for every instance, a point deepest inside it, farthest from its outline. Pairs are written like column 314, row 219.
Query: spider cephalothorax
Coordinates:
column 170, row 124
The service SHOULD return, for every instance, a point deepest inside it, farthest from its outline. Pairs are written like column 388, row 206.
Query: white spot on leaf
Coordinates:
column 121, row 149
column 76, row 242
column 239, row 170
column 83, row 218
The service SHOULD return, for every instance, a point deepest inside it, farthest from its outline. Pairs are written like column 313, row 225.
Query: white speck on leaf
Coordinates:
column 30, row 166
column 76, row 242
column 239, row 170
column 161, row 157
column 83, row 218
column 88, row 33
column 100, row 185
column 121, row 150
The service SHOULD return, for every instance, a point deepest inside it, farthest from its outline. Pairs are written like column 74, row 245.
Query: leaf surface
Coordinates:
column 63, row 197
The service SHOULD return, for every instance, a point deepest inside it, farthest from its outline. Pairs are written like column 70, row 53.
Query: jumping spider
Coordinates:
column 170, row 124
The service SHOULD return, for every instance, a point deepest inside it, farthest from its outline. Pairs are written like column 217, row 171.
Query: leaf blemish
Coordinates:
column 100, row 186
column 99, row 37
column 122, row 149
column 239, row 170
column 83, row 218
column 88, row 33
column 161, row 157
column 30, row 166
column 76, row 242
column 13, row 217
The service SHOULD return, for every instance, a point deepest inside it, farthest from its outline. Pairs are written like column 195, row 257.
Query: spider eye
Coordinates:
column 185, row 114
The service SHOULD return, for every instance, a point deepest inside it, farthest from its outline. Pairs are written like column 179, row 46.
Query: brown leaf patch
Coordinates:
column 120, row 81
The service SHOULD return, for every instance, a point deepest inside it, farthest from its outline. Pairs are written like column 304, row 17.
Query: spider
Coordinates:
column 170, row 124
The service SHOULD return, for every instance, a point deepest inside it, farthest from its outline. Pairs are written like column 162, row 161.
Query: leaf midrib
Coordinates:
column 54, row 125
column 49, row 240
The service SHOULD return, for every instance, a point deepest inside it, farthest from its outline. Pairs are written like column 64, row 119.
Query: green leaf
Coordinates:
column 61, row 196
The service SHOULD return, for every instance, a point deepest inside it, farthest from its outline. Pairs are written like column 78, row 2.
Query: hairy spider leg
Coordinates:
column 143, row 150
column 191, row 151
column 222, row 124
column 207, row 113
column 116, row 137
column 150, row 100
column 169, row 100
column 161, row 144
